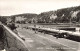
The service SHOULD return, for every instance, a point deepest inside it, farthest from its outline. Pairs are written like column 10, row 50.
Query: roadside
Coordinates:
column 45, row 40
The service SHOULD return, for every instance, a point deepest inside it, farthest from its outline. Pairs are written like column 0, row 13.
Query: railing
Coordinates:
column 12, row 41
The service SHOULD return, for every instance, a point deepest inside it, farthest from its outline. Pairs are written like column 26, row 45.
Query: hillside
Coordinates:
column 64, row 15
column 26, row 15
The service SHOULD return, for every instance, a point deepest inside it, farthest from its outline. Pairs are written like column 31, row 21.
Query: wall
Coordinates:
column 12, row 41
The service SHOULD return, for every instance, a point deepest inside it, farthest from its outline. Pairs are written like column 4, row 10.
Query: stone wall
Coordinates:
column 12, row 41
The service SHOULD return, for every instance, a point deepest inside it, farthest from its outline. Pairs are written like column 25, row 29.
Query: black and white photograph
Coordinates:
column 39, row 25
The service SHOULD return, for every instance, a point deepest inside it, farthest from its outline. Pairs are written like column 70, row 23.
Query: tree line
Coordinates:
column 65, row 15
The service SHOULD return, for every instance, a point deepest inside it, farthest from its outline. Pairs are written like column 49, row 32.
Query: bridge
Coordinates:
column 58, row 32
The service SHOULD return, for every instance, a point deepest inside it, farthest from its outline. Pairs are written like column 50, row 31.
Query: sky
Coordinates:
column 12, row 7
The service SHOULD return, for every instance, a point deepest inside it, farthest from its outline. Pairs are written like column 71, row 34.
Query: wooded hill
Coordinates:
column 64, row 15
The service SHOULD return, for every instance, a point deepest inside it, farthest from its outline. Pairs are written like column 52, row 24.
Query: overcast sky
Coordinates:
column 11, row 7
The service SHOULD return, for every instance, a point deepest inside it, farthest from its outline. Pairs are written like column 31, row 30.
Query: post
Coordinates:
column 35, row 28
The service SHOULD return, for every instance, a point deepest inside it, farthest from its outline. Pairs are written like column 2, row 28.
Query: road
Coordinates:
column 43, row 42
